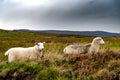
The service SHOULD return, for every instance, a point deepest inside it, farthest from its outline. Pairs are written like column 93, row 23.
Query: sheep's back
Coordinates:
column 87, row 46
column 20, row 52
column 74, row 49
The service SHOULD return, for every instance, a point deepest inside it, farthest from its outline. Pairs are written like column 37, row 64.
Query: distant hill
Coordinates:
column 87, row 33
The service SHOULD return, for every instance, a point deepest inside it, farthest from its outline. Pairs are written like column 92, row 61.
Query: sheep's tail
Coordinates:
column 6, row 53
column 64, row 51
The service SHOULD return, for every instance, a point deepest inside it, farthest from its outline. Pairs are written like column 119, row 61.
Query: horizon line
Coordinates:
column 62, row 30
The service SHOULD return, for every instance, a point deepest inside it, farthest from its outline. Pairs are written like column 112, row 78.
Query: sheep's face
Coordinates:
column 99, row 40
column 40, row 45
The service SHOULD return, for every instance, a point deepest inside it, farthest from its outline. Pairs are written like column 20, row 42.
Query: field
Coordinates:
column 102, row 66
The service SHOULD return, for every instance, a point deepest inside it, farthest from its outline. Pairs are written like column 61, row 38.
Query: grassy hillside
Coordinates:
column 104, row 65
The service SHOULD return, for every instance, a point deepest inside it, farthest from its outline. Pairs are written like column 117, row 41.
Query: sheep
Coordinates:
column 25, row 54
column 88, row 48
column 95, row 45
column 76, row 49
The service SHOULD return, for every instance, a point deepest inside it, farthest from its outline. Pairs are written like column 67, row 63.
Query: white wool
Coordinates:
column 24, row 54
column 95, row 45
column 76, row 49
column 88, row 48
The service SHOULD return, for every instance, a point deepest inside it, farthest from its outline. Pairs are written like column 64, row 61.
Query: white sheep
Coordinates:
column 95, row 45
column 76, row 49
column 88, row 48
column 25, row 54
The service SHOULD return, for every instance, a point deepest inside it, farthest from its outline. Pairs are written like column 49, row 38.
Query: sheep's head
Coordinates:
column 40, row 45
column 98, row 40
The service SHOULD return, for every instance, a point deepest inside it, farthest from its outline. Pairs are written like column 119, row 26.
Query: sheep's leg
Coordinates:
column 11, row 58
column 39, row 60
column 65, row 55
column 40, row 57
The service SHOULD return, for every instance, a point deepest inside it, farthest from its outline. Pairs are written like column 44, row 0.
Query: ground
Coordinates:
column 103, row 65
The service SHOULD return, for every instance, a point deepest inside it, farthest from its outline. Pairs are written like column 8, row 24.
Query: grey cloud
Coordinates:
column 64, row 13
column 72, row 11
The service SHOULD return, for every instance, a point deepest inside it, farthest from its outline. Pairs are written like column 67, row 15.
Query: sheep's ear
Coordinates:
column 43, row 42
column 36, row 43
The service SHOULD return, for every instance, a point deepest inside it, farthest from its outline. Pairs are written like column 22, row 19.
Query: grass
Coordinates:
column 103, row 66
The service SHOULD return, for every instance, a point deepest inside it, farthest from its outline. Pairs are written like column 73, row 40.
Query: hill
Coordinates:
column 86, row 33
column 102, row 66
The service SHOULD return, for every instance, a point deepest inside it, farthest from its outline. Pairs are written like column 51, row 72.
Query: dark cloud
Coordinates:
column 64, row 14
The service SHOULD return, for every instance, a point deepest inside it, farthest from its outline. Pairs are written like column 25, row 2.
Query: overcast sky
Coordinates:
column 78, row 15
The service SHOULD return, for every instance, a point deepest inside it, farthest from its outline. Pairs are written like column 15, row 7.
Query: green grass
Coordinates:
column 105, row 65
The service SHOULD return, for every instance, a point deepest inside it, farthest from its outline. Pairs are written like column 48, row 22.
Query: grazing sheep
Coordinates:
column 95, row 45
column 77, row 49
column 24, row 54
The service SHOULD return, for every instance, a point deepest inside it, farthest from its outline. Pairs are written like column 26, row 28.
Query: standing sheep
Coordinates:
column 88, row 48
column 24, row 54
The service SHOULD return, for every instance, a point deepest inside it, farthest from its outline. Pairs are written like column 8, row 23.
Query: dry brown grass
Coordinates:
column 105, row 65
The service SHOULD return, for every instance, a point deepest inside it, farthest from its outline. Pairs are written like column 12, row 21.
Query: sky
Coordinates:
column 73, row 15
